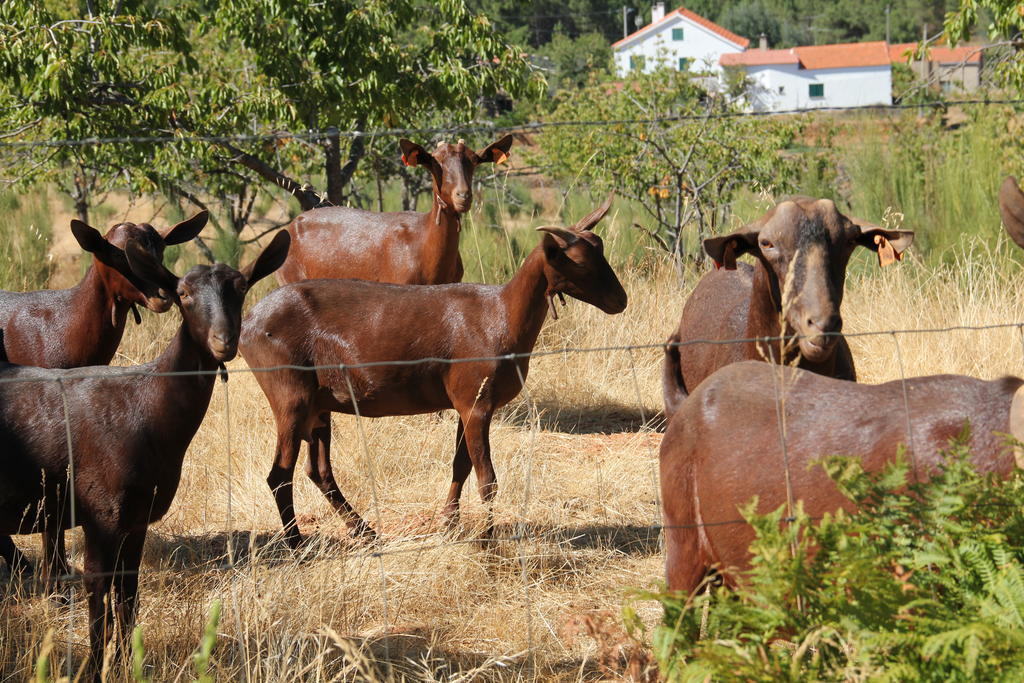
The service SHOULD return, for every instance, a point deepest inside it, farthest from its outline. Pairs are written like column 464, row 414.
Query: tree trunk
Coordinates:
column 332, row 168
column 81, row 197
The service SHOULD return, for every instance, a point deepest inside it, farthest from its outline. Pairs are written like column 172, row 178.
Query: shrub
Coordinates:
column 925, row 581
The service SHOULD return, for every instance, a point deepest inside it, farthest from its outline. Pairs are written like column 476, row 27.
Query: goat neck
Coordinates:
column 441, row 239
column 764, row 312
column 526, row 300
column 96, row 320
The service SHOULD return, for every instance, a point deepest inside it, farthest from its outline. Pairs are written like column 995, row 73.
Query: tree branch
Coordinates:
column 305, row 195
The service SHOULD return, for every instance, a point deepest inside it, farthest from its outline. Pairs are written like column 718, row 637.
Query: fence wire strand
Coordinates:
column 536, row 126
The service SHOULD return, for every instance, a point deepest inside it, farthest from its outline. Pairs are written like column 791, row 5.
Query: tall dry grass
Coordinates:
column 576, row 456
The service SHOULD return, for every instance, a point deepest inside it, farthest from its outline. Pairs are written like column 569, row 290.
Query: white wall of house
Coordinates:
column 699, row 46
column 787, row 86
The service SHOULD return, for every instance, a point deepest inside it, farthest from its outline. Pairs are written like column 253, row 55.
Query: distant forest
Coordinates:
column 785, row 22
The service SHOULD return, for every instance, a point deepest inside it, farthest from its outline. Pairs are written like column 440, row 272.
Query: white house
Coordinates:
column 679, row 40
column 845, row 75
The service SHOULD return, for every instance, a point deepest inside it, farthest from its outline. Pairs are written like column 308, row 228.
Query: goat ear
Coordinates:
column 723, row 250
column 148, row 268
column 89, row 238
column 594, row 217
column 496, row 152
column 270, row 259
column 559, row 236
column 414, row 155
column 888, row 244
column 187, row 229
column 1011, row 209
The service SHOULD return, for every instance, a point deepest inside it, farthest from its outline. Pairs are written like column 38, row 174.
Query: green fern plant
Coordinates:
column 924, row 582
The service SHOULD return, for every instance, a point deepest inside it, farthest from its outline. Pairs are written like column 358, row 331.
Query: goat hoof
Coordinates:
column 363, row 532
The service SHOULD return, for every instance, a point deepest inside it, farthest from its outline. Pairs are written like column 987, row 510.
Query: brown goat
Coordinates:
column 805, row 239
column 405, row 248
column 723, row 447
column 330, row 322
column 130, row 428
column 70, row 328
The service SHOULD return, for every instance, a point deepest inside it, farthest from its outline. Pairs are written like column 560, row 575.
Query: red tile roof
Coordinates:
column 760, row 58
column 844, row 55
column 840, row 56
column 944, row 55
column 739, row 41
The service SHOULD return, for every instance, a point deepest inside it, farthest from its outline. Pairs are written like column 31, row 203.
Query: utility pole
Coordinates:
column 626, row 11
column 888, row 7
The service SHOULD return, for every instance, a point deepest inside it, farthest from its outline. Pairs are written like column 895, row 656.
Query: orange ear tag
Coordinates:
column 501, row 157
column 411, row 159
column 886, row 253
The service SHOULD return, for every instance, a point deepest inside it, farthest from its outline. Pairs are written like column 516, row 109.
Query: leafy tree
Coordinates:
column 72, row 75
column 351, row 65
column 751, row 19
column 1006, row 25
column 206, row 71
column 577, row 61
column 684, row 172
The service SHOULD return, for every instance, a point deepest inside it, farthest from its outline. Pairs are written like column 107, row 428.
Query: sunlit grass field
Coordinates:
column 578, row 502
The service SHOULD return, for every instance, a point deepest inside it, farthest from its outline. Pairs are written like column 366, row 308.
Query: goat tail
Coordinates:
column 673, row 388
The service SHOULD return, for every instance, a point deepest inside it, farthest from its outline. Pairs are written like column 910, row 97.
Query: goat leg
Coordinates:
column 16, row 561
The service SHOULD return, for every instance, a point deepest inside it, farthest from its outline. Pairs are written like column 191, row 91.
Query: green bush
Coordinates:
column 924, row 582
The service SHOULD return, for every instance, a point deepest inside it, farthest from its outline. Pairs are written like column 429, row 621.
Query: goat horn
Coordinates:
column 595, row 216
column 563, row 236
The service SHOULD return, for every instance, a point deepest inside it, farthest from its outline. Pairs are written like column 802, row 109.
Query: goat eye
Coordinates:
column 765, row 244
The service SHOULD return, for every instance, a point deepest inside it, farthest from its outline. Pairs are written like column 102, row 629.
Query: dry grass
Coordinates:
column 577, row 463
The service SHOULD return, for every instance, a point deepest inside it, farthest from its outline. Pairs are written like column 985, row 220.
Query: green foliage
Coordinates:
column 815, row 22
column 925, row 581
column 138, row 657
column 1006, row 24
column 909, row 88
column 68, row 74
column 535, row 23
column 576, row 61
column 236, row 66
column 943, row 181
column 683, row 173
column 201, row 658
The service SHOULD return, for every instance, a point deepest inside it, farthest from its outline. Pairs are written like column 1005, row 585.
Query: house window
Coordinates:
column 636, row 62
column 817, row 89
column 684, row 63
column 677, row 34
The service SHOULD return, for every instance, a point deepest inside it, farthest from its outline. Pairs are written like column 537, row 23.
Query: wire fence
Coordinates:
column 526, row 537
column 472, row 127
column 523, row 535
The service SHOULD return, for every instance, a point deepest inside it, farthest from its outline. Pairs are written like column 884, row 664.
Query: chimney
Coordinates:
column 657, row 12
column 762, row 42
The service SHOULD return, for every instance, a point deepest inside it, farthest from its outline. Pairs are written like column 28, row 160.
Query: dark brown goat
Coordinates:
column 723, row 446
column 405, row 248
column 805, row 239
column 328, row 322
column 70, row 328
column 130, row 428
